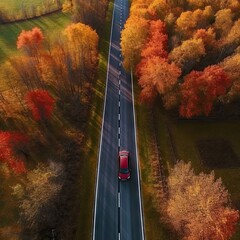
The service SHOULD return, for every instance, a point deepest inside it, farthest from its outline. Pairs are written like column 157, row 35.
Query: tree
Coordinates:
column 67, row 6
column 189, row 21
column 233, row 36
column 231, row 66
column 159, row 8
column 223, row 21
column 156, row 44
column 40, row 104
column 83, row 44
column 201, row 89
column 90, row 12
column 208, row 37
column 198, row 206
column 188, row 53
column 216, row 4
column 12, row 149
column 37, row 194
column 30, row 41
column 133, row 38
column 156, row 75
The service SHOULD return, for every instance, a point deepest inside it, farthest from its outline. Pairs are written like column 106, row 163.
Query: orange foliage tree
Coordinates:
column 198, row 206
column 12, row 149
column 40, row 103
column 201, row 88
column 207, row 36
column 156, row 44
column 156, row 75
column 30, row 41
column 154, row 62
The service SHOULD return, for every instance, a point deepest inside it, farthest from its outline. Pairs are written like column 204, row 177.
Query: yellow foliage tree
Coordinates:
column 83, row 42
column 189, row 52
column 198, row 206
column 133, row 38
column 189, row 21
column 223, row 21
column 232, row 66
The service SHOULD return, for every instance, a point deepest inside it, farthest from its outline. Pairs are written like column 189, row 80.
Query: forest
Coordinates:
column 186, row 53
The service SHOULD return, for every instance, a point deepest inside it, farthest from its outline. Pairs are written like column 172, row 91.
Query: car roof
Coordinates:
column 123, row 161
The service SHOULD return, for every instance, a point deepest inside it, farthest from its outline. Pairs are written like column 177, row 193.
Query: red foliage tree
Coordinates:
column 40, row 103
column 11, row 145
column 157, row 41
column 201, row 89
column 30, row 38
column 153, row 63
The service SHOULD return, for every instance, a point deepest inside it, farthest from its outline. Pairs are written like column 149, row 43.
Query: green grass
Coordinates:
column 90, row 157
column 186, row 134
column 9, row 32
column 13, row 9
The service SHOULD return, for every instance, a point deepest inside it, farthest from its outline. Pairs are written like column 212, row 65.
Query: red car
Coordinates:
column 124, row 170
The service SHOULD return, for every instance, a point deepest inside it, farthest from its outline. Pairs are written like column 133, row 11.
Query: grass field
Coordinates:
column 9, row 32
column 186, row 135
column 88, row 170
column 16, row 9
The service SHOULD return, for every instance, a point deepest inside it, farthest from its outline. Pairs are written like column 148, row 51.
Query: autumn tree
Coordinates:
column 13, row 150
column 216, row 4
column 188, row 53
column 198, row 206
column 156, row 75
column 140, row 8
column 156, row 44
column 223, row 21
column 233, row 36
column 133, row 38
column 30, row 41
column 67, row 6
column 201, row 89
column 207, row 36
column 36, row 195
column 189, row 21
column 90, row 12
column 159, row 8
column 83, row 44
column 231, row 66
column 40, row 103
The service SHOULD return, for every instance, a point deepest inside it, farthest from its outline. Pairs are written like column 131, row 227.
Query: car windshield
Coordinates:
column 124, row 170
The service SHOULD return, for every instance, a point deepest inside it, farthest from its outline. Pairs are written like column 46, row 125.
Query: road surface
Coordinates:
column 118, row 211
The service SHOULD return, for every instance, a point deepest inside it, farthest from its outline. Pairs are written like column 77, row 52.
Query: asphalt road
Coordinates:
column 118, row 213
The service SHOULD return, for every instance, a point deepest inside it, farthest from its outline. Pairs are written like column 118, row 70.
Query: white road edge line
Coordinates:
column 138, row 172
column 104, row 109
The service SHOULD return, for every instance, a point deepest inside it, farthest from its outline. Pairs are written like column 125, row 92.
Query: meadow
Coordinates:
column 14, row 10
